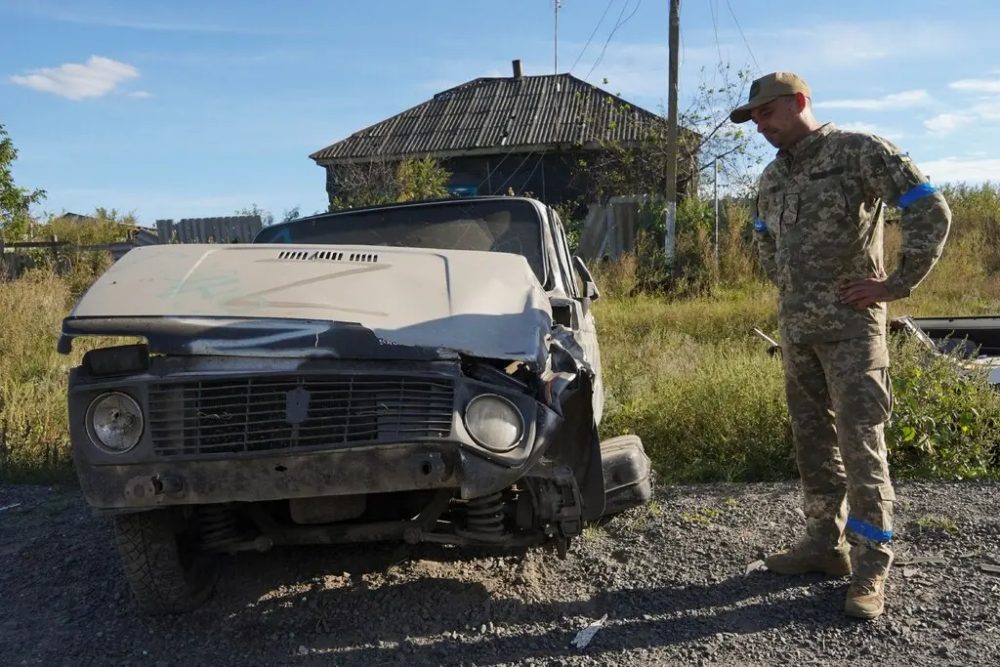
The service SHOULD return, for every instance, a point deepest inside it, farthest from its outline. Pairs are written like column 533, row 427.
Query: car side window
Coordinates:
column 562, row 251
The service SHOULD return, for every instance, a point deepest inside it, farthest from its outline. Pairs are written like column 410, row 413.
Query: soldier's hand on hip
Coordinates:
column 862, row 294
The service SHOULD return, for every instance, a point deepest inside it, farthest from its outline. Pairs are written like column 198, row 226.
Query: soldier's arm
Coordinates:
column 926, row 218
column 766, row 247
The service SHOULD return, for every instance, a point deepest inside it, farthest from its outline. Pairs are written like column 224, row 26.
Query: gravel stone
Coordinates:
column 674, row 579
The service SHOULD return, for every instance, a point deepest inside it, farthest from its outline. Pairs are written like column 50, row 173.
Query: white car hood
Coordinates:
column 480, row 303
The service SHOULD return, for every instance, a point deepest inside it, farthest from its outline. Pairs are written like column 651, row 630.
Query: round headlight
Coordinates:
column 494, row 422
column 115, row 422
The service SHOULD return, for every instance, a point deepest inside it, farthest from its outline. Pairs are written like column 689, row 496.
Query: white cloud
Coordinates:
column 988, row 110
column 871, row 128
column 984, row 112
column 904, row 100
column 956, row 169
column 95, row 78
column 840, row 45
column 976, row 85
column 946, row 123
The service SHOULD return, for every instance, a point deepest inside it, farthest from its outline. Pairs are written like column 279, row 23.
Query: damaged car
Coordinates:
column 973, row 342
column 425, row 373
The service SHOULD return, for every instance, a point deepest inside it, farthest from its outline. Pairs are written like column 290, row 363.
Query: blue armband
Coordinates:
column 759, row 225
column 865, row 529
column 915, row 194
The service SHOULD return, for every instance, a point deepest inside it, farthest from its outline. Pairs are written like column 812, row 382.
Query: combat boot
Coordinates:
column 866, row 597
column 808, row 556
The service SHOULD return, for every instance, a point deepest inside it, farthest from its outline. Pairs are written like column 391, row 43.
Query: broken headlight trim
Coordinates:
column 494, row 422
column 115, row 422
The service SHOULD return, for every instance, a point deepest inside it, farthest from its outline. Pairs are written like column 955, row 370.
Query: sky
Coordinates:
column 192, row 109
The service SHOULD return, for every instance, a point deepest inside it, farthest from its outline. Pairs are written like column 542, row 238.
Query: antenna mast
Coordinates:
column 555, row 39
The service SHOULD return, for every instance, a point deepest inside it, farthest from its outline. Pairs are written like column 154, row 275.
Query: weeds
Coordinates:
column 703, row 517
column 937, row 522
column 680, row 367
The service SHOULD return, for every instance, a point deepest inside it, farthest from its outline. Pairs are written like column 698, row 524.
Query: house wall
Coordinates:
column 548, row 177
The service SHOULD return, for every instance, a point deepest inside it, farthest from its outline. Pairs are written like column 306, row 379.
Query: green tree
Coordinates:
column 103, row 226
column 705, row 137
column 424, row 178
column 381, row 182
column 15, row 202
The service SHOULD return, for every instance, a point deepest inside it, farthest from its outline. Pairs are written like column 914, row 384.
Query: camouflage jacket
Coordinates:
column 819, row 225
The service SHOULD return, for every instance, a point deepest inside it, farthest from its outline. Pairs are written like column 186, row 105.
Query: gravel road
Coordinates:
column 672, row 579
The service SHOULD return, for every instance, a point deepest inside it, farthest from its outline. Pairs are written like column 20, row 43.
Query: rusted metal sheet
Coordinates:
column 227, row 229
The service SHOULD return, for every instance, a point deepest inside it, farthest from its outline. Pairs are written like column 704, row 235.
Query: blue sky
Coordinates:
column 185, row 109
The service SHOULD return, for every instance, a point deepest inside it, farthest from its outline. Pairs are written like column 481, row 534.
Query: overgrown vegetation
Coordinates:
column 681, row 368
column 379, row 182
column 15, row 202
column 33, row 428
column 683, row 372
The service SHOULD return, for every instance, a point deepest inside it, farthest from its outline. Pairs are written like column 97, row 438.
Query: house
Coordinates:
column 518, row 134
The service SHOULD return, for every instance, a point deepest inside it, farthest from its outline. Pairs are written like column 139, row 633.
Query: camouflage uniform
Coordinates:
column 819, row 226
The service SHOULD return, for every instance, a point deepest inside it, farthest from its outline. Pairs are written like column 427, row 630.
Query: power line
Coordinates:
column 489, row 175
column 516, row 169
column 596, row 28
column 532, row 173
column 740, row 28
column 714, row 6
column 618, row 25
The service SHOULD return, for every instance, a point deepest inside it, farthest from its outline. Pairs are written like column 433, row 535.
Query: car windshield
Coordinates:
column 512, row 226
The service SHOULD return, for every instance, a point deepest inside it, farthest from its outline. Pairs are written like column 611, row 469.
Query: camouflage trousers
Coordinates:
column 839, row 399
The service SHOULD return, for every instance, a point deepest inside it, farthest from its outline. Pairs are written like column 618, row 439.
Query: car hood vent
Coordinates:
column 329, row 256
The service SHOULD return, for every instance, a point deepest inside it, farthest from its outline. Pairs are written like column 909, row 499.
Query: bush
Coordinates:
column 945, row 423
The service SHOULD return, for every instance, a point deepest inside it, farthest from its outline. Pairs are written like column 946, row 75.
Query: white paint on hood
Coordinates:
column 482, row 303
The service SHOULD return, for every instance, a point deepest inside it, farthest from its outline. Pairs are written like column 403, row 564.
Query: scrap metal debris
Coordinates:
column 584, row 636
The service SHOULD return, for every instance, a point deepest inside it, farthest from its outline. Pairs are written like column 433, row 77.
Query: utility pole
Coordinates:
column 671, row 231
column 715, row 196
column 555, row 40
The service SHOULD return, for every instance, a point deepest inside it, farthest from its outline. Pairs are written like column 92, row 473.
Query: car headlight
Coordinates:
column 494, row 422
column 114, row 421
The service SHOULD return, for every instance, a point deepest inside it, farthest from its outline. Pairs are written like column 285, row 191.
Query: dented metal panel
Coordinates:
column 481, row 303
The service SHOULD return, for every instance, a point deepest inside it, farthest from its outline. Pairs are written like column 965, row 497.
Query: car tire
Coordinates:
column 167, row 574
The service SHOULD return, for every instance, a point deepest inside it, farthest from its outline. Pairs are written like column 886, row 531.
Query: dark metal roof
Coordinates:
column 487, row 115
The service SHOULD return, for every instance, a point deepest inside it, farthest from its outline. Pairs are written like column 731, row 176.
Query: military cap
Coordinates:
column 767, row 88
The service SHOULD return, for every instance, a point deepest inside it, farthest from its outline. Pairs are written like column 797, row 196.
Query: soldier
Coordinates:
column 819, row 234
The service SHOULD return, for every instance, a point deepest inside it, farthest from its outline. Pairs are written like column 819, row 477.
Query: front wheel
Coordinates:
column 164, row 568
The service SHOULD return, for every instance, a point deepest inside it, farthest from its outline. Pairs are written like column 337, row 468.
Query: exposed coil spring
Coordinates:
column 484, row 515
column 217, row 527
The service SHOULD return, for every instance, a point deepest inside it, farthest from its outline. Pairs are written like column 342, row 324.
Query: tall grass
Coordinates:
column 33, row 428
column 687, row 376
column 706, row 399
column 681, row 368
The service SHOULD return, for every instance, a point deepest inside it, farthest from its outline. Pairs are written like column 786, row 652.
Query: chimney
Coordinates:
column 517, row 69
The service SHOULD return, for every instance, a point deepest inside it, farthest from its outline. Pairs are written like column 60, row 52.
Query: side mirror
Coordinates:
column 590, row 290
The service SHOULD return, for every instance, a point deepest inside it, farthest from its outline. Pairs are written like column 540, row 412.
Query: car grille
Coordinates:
column 298, row 412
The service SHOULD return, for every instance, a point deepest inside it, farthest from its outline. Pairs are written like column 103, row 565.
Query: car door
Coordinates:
column 584, row 326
